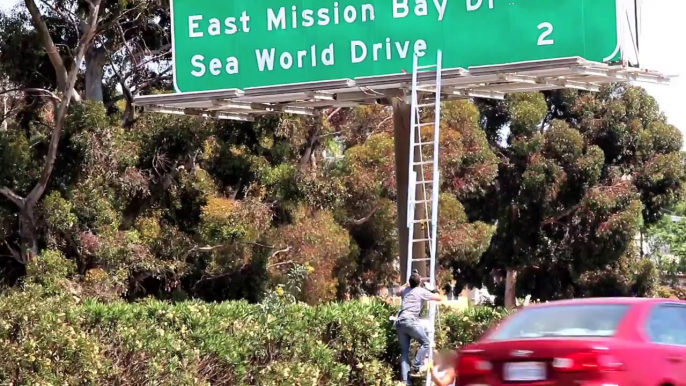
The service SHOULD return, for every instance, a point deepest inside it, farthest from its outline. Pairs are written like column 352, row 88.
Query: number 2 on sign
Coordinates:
column 547, row 31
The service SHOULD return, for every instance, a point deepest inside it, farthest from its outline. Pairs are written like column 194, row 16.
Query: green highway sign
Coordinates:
column 224, row 44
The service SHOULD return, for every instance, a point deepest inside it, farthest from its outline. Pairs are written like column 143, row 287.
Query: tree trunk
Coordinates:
column 312, row 137
column 511, row 289
column 95, row 64
column 27, row 234
column 401, row 128
column 130, row 111
column 4, row 113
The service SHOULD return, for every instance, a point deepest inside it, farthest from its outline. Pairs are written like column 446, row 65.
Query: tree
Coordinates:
column 26, row 204
column 665, row 244
column 579, row 174
column 131, row 49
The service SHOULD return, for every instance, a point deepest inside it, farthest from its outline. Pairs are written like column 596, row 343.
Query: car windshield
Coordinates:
column 563, row 321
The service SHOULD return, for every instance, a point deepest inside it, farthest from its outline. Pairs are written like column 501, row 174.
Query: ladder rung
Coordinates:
column 422, row 202
column 423, row 182
column 420, row 221
column 421, row 260
column 423, row 143
column 421, row 240
column 426, row 105
column 423, row 163
column 425, row 124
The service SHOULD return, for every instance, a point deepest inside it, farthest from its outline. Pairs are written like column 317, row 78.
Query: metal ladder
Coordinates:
column 424, row 177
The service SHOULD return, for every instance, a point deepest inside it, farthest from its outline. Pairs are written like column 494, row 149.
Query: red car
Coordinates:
column 592, row 342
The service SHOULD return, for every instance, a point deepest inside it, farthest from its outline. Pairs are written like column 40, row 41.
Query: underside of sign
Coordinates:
column 476, row 82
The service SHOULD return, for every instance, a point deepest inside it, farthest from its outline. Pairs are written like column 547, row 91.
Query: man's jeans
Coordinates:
column 411, row 329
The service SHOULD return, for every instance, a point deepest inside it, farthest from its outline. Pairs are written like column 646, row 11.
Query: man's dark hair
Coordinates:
column 415, row 280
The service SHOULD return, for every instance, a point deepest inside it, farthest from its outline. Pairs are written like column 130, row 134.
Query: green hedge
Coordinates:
column 58, row 340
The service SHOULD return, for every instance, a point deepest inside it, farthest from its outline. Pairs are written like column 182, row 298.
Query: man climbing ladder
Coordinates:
column 409, row 327
column 422, row 217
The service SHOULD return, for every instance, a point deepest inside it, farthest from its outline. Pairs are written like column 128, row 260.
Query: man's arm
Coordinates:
column 400, row 291
column 437, row 297
column 428, row 295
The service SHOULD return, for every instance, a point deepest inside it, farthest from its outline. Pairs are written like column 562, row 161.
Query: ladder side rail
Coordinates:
column 433, row 306
column 426, row 229
column 434, row 211
column 411, row 183
column 436, row 172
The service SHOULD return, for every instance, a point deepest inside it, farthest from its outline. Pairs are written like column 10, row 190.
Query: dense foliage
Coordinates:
column 50, row 336
column 581, row 173
column 553, row 186
column 219, row 210
column 665, row 243
column 144, row 249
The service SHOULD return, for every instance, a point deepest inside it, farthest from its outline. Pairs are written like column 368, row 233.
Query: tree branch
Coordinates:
column 378, row 127
column 208, row 248
column 47, row 93
column 48, row 43
column 142, row 87
column 15, row 254
column 155, row 55
column 261, row 245
column 164, row 50
column 276, row 253
column 10, row 195
column 328, row 117
column 203, row 249
column 41, row 93
column 150, row 82
column 204, row 279
column 50, row 47
column 562, row 215
column 367, row 218
column 280, row 264
column 70, row 16
column 130, row 112
column 312, row 137
column 319, row 138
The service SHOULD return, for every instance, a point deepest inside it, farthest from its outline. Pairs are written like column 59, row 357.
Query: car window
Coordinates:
column 583, row 320
column 667, row 325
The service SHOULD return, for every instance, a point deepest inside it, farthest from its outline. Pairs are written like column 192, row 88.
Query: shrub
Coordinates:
column 458, row 329
column 677, row 292
column 49, row 271
column 51, row 339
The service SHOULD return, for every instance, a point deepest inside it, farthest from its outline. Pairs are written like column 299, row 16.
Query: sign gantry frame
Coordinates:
column 492, row 82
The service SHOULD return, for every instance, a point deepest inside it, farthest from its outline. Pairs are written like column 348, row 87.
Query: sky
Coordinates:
column 663, row 32
column 662, row 48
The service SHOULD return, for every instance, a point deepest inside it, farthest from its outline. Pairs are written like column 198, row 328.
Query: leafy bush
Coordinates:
column 50, row 339
column 457, row 329
column 666, row 292
column 49, row 271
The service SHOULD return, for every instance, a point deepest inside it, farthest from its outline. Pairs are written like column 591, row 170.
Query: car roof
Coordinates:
column 608, row 301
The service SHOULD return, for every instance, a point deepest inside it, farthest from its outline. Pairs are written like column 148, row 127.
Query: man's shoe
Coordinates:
column 420, row 372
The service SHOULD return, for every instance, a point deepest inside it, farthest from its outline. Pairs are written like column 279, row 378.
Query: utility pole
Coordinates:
column 401, row 134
